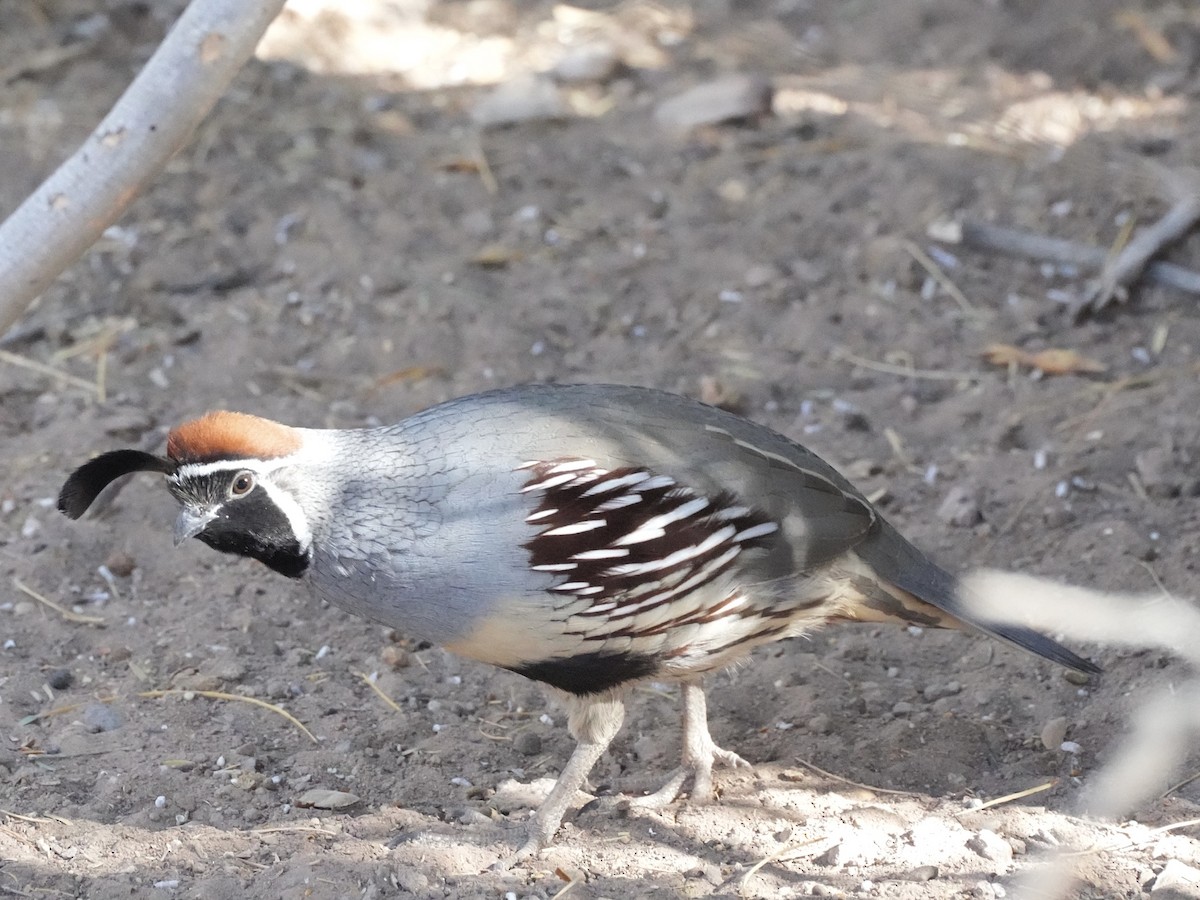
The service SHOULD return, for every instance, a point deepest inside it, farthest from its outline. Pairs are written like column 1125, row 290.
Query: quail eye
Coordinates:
column 242, row 484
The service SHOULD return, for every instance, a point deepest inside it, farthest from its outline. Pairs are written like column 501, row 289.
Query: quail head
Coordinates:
column 586, row 536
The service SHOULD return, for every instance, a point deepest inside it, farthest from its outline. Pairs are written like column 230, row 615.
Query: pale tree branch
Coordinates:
column 151, row 121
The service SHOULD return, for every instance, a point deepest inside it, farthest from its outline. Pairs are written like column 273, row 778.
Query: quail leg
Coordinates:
column 700, row 752
column 593, row 723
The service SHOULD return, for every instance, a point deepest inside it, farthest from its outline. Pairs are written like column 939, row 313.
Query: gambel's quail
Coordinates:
column 586, row 536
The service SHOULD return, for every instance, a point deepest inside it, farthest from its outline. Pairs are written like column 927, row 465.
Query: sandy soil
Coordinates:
column 340, row 246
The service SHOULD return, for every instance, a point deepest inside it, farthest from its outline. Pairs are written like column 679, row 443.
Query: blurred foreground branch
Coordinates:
column 151, row 121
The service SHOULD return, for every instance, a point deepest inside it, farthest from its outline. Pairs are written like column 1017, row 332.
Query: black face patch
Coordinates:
column 590, row 673
column 248, row 525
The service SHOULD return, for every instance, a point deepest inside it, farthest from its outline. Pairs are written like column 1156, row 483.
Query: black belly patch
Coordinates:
column 591, row 673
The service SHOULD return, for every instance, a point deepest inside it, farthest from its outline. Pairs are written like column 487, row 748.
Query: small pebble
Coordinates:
column 60, row 679
column 938, row 691
column 820, row 724
column 593, row 61
column 961, row 507
column 99, row 717
column 1177, row 879
column 527, row 98
column 990, row 846
column 528, row 743
column 725, row 99
column 395, row 657
column 1054, row 733
column 120, row 564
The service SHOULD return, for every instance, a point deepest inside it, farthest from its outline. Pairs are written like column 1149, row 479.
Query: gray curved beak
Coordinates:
column 190, row 523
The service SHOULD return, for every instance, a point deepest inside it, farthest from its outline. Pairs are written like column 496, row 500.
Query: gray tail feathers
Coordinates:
column 897, row 561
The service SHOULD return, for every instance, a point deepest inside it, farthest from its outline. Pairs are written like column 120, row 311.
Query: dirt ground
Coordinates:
column 342, row 245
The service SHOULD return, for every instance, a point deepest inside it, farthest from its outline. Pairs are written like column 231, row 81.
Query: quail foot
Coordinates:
column 586, row 536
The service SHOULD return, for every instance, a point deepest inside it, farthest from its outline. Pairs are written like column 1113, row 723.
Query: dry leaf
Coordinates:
column 1004, row 355
column 1053, row 361
column 1064, row 362
column 495, row 256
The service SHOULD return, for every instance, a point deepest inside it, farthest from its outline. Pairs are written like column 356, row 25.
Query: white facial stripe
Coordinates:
column 295, row 515
column 257, row 466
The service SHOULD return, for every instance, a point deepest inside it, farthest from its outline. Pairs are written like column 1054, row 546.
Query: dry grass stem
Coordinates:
column 857, row 784
column 67, row 614
column 21, row 362
column 379, row 691
column 840, row 354
column 221, row 695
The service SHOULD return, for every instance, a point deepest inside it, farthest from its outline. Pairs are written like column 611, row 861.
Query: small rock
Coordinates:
column 410, row 880
column 512, row 795
column 903, row 708
column 961, row 507
column 831, row 857
column 1177, row 880
column 1156, row 469
column 1058, row 516
column 120, row 564
column 528, row 98
column 99, row 717
column 1054, row 733
column 938, row 691
column 923, row 873
column 60, row 679
column 528, row 743
column 395, row 657
column 886, row 258
column 720, row 100
column 321, row 798
column 820, row 724
column 991, row 847
column 594, row 61
column 759, row 276
column 473, row 817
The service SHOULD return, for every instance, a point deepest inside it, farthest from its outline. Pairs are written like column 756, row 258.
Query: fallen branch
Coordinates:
column 1031, row 245
column 151, row 121
column 1128, row 265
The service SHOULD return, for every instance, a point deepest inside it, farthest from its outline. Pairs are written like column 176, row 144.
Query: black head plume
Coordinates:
column 86, row 482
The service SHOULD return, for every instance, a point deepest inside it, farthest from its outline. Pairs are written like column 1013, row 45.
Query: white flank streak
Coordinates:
column 733, row 512
column 680, row 512
column 541, row 514
column 709, row 543
column 546, row 483
column 570, row 587
column 679, row 556
column 658, row 481
column 613, row 484
column 572, row 465
column 609, row 553
column 528, row 464
column 619, row 502
column 576, row 528
column 642, row 534
column 554, row 567
column 602, row 608
column 755, row 531
column 587, row 591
